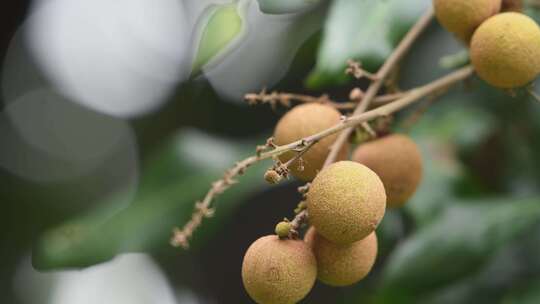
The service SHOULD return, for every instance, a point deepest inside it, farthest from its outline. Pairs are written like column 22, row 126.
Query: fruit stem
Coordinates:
column 297, row 223
column 284, row 99
column 380, row 78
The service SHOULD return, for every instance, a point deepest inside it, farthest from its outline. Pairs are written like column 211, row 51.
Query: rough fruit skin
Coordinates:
column 505, row 50
column 346, row 202
column 302, row 121
column 462, row 17
column 278, row 271
column 397, row 161
column 342, row 265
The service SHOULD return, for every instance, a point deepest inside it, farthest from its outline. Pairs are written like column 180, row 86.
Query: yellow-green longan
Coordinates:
column 505, row 50
column 462, row 17
column 302, row 121
column 342, row 265
column 346, row 202
column 278, row 271
column 397, row 161
column 283, row 229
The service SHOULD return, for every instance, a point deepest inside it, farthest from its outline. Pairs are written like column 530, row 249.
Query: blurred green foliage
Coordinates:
column 174, row 178
column 219, row 27
column 457, row 243
column 363, row 30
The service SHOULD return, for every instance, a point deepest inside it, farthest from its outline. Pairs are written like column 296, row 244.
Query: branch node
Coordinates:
column 355, row 69
column 304, row 189
column 272, row 177
column 299, row 220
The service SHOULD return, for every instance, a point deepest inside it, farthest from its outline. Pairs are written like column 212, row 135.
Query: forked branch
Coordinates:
column 204, row 208
column 275, row 98
column 380, row 78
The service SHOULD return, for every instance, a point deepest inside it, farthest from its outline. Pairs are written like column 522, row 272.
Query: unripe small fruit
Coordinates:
column 278, row 271
column 302, row 121
column 505, row 50
column 342, row 265
column 462, row 17
column 346, row 202
column 397, row 161
column 283, row 229
column 272, row 177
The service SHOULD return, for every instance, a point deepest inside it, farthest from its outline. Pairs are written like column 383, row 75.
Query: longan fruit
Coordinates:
column 505, row 50
column 462, row 17
column 276, row 271
column 346, row 202
column 397, row 161
column 342, row 265
column 302, row 121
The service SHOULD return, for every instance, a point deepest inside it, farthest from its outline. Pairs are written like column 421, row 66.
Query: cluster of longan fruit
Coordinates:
column 345, row 202
column 504, row 43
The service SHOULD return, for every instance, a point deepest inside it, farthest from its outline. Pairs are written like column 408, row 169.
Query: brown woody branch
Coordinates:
column 204, row 209
column 380, row 78
column 286, row 99
column 359, row 117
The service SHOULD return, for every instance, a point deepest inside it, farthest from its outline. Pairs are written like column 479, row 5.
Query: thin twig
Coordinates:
column 281, row 170
column 203, row 209
column 422, row 109
column 355, row 69
column 300, row 153
column 381, row 76
column 417, row 114
column 181, row 237
column 285, row 99
column 369, row 130
column 387, row 98
column 297, row 222
column 377, row 101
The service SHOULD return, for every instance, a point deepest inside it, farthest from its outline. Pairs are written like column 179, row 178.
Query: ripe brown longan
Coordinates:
column 342, row 265
column 346, row 202
column 302, row 121
column 462, row 17
column 397, row 161
column 505, row 50
column 277, row 271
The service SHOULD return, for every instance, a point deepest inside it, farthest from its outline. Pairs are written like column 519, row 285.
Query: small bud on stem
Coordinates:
column 283, row 229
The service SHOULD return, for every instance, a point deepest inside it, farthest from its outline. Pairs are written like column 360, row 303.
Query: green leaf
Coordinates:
column 178, row 175
column 457, row 243
column 364, row 30
column 529, row 294
column 440, row 136
column 285, row 6
column 532, row 11
column 221, row 27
